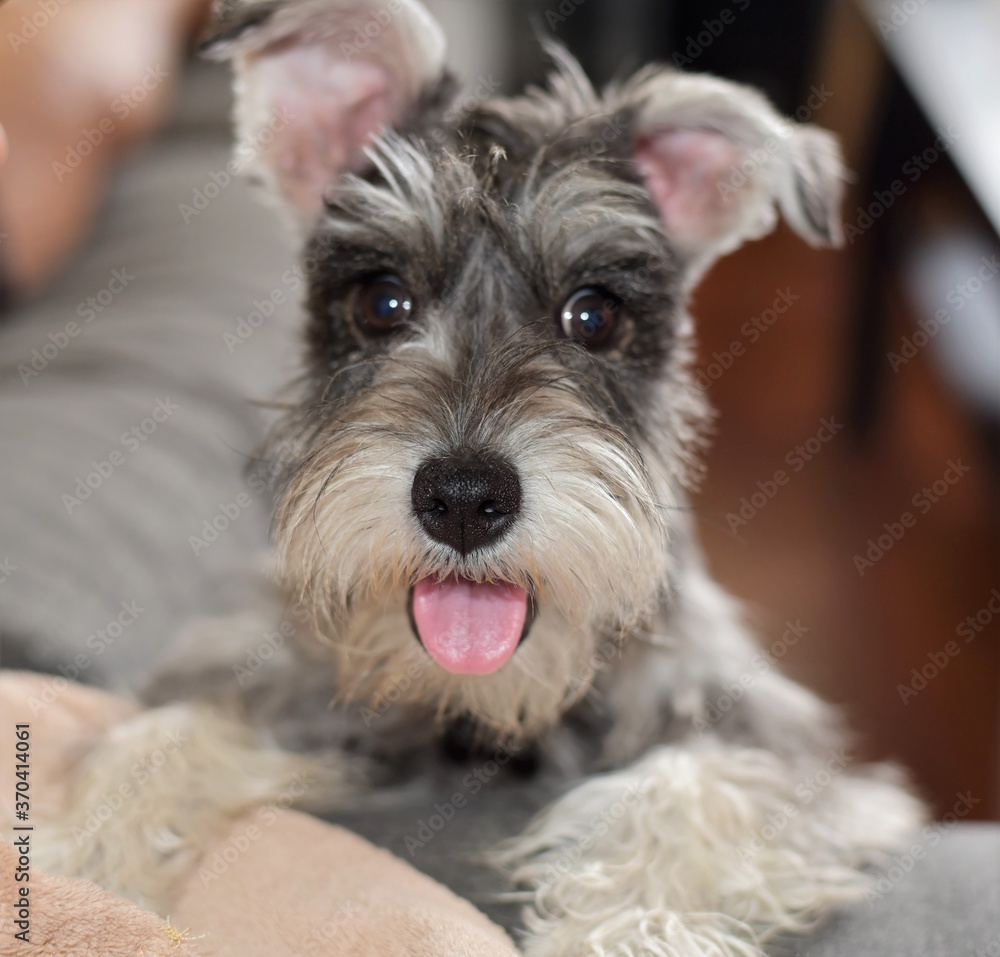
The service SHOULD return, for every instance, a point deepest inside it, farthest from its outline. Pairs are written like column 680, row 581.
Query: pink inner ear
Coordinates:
column 683, row 171
column 323, row 115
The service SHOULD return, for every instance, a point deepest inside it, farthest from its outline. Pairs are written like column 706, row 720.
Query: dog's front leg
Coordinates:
column 705, row 849
column 159, row 789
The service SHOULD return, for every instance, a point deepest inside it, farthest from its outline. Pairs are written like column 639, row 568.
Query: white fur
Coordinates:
column 662, row 859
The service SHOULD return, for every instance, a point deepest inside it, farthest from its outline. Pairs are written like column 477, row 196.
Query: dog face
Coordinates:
column 497, row 418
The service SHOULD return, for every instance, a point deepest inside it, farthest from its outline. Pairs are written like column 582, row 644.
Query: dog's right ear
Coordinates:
column 721, row 163
column 316, row 79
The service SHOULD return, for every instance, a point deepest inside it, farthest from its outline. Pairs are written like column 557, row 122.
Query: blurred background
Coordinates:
column 874, row 388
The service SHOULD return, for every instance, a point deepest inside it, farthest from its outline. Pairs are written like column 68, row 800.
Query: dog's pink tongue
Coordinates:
column 469, row 628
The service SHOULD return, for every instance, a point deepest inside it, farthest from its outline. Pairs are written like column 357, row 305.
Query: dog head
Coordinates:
column 497, row 419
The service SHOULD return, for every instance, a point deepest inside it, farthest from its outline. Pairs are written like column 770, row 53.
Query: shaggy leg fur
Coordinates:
column 705, row 850
column 157, row 790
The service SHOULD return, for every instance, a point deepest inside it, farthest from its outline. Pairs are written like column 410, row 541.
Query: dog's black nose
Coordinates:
column 465, row 503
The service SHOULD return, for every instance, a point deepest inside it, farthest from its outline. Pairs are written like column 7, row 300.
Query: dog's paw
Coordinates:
column 692, row 853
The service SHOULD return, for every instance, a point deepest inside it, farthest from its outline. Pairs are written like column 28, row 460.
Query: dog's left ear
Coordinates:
column 315, row 79
column 720, row 162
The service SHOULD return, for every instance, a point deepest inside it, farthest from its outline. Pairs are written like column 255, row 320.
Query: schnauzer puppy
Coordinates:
column 481, row 505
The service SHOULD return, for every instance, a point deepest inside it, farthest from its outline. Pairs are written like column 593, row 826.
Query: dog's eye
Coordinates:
column 382, row 305
column 591, row 316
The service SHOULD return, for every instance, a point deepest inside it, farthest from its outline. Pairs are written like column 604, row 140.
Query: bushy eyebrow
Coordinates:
column 335, row 264
column 581, row 228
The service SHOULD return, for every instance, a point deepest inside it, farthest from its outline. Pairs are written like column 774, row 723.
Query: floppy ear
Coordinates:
column 316, row 79
column 720, row 162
